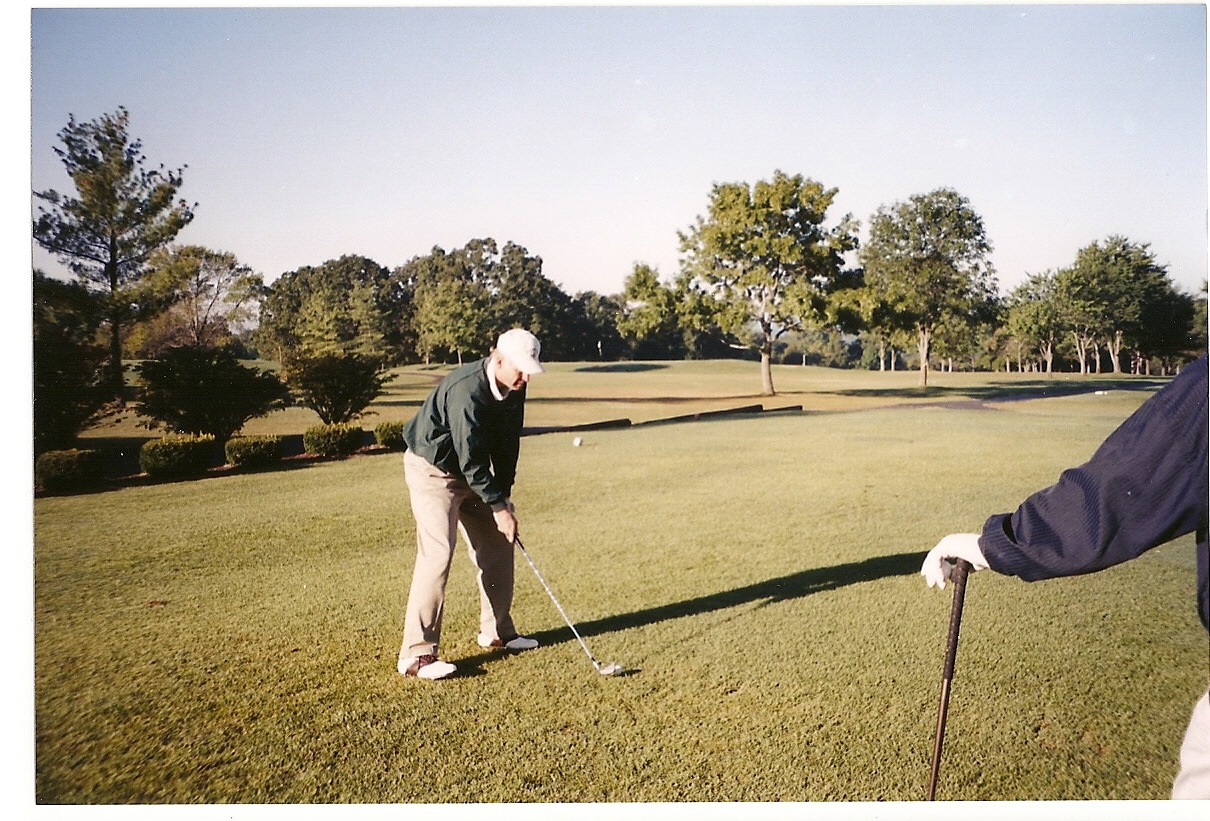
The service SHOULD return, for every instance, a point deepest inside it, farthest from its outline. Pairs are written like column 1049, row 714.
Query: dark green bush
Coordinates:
column 390, row 435
column 177, row 456
column 59, row 470
column 333, row 440
column 253, row 451
column 337, row 386
column 70, row 374
column 206, row 391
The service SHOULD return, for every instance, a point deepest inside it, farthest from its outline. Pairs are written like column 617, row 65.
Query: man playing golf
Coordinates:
column 461, row 460
column 1145, row 485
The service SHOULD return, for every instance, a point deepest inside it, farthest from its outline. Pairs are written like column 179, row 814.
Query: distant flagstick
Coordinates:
column 951, row 651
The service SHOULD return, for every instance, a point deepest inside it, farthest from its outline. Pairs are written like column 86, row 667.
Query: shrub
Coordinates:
column 59, row 470
column 253, row 451
column 177, row 456
column 390, row 435
column 333, row 440
column 337, row 386
column 203, row 391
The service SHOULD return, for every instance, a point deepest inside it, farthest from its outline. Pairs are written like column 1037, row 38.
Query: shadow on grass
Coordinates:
column 621, row 367
column 782, row 588
column 1007, row 391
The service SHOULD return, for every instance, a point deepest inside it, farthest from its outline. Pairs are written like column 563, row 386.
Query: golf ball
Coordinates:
column 577, row 442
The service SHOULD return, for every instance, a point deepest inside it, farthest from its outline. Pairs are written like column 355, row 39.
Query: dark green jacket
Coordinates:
column 463, row 429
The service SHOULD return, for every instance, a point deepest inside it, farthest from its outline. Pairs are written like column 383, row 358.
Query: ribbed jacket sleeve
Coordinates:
column 1145, row 485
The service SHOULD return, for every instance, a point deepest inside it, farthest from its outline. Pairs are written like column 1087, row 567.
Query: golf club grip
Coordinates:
column 958, row 577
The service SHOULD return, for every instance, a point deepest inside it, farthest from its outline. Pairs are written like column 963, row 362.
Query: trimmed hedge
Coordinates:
column 253, row 451
column 177, row 456
column 75, row 469
column 390, row 435
column 333, row 440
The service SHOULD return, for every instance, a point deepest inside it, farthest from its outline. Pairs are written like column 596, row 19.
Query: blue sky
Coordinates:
column 591, row 136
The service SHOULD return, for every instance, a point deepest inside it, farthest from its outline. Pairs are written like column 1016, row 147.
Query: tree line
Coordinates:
column 765, row 273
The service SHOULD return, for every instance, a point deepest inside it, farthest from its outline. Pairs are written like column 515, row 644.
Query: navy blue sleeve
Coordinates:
column 1145, row 485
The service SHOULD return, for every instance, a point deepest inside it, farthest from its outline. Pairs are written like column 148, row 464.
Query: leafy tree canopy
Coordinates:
column 927, row 259
column 765, row 253
column 346, row 305
column 123, row 213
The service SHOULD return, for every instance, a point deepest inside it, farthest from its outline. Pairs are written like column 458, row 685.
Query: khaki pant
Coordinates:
column 443, row 504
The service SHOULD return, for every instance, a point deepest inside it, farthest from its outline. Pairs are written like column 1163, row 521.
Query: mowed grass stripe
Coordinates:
column 233, row 640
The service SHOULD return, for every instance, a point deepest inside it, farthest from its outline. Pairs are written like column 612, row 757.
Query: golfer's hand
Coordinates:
column 506, row 523
column 939, row 563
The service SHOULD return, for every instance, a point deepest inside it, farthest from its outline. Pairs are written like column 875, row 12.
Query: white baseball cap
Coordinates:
column 521, row 348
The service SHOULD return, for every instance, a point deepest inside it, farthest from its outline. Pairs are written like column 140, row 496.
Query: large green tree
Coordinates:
column 452, row 300
column 122, row 214
column 765, row 253
column 346, row 305
column 928, row 259
column 209, row 296
column 596, row 326
column 648, row 321
column 1109, row 294
column 1034, row 317
column 466, row 297
column 1169, row 330
column 524, row 297
column 68, row 366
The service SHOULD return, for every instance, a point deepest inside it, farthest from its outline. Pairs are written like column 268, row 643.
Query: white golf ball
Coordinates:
column 577, row 442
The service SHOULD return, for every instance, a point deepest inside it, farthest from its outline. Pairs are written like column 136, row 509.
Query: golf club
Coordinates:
column 610, row 669
column 958, row 577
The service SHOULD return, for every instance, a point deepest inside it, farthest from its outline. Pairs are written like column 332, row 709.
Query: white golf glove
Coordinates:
column 937, row 567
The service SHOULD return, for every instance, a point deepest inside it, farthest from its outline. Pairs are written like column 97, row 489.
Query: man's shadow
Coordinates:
column 782, row 588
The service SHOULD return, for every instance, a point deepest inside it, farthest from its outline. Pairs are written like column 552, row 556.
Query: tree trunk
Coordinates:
column 1081, row 351
column 1114, row 346
column 923, row 343
column 766, row 372
column 117, row 381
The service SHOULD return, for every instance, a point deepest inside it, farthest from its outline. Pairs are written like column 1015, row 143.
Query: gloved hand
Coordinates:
column 936, row 568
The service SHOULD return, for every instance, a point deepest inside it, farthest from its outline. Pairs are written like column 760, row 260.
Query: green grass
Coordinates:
column 572, row 393
column 234, row 639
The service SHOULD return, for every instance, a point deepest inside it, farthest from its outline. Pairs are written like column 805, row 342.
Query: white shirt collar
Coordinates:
column 500, row 393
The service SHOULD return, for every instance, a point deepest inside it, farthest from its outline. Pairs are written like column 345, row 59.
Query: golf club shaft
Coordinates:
column 562, row 612
column 958, row 577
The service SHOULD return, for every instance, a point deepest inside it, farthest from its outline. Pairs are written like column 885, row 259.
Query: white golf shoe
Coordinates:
column 515, row 643
column 427, row 666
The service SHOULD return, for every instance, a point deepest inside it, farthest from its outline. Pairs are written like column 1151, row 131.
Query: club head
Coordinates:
column 610, row 669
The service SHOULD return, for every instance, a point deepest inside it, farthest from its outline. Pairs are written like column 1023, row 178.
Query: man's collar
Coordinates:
column 500, row 393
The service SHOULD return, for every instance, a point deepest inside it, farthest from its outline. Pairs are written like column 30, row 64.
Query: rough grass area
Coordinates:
column 234, row 640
